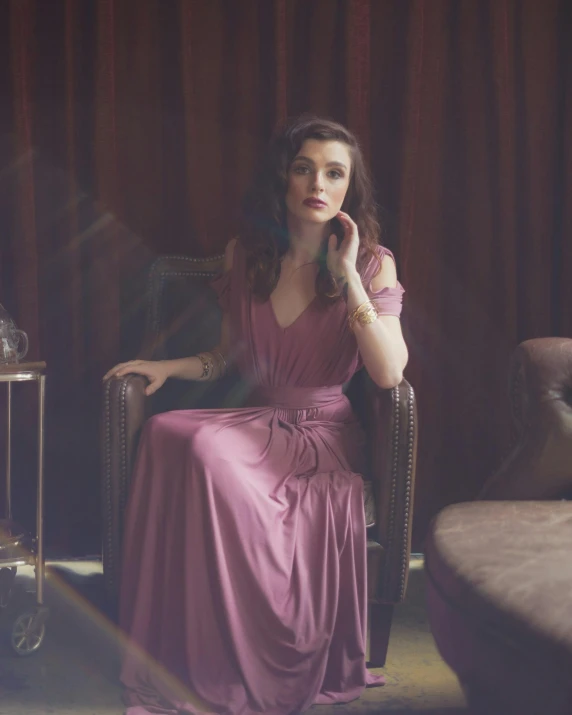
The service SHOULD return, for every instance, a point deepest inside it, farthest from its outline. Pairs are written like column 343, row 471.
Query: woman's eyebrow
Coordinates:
column 311, row 161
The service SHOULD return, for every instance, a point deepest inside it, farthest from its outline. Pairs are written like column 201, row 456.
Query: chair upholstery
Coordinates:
column 183, row 318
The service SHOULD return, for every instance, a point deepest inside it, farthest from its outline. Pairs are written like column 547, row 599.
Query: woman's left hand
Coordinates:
column 341, row 261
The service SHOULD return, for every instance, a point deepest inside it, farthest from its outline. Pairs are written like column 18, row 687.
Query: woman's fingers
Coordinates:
column 151, row 388
column 123, row 368
column 132, row 370
column 110, row 373
column 113, row 370
column 348, row 223
column 150, row 370
column 154, row 384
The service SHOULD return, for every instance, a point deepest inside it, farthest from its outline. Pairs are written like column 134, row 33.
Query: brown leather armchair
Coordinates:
column 183, row 318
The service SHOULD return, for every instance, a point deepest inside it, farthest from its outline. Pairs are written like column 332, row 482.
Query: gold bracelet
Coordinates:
column 207, row 361
column 354, row 314
column 361, row 307
column 368, row 316
column 364, row 314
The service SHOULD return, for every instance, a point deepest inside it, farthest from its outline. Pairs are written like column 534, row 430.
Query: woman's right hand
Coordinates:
column 156, row 371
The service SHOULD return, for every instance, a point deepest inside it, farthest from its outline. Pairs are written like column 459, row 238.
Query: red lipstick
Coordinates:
column 314, row 203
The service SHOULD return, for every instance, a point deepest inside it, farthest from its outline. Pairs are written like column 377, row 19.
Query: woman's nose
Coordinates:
column 317, row 182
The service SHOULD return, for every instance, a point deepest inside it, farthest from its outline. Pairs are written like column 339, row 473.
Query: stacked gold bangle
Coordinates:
column 208, row 362
column 364, row 314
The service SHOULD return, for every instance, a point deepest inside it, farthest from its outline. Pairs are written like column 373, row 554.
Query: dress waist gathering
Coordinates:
column 296, row 398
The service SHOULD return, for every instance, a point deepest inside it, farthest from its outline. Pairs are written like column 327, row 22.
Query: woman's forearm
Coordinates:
column 383, row 350
column 192, row 368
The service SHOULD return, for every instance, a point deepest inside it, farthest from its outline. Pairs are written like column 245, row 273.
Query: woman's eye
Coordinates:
column 301, row 169
column 336, row 174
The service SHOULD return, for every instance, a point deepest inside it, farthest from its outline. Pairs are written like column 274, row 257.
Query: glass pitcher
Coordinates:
column 13, row 342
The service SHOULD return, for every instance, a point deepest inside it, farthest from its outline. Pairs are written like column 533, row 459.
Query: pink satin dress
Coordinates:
column 244, row 564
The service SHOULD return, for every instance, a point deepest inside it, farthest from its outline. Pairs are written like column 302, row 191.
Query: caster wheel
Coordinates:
column 27, row 634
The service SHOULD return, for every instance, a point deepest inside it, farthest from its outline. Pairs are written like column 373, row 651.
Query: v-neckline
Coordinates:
column 296, row 319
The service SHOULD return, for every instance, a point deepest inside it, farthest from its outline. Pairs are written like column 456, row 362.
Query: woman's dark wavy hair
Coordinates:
column 265, row 234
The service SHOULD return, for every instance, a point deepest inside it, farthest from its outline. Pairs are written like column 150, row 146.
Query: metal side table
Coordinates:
column 17, row 546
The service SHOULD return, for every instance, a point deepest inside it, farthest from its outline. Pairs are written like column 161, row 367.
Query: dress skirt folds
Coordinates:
column 244, row 563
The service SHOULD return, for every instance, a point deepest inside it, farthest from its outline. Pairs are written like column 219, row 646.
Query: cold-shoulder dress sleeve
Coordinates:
column 388, row 300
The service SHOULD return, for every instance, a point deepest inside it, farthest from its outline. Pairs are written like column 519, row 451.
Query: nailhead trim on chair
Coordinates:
column 122, row 486
column 108, row 541
column 408, row 487
column 123, row 432
column 395, row 394
column 404, row 545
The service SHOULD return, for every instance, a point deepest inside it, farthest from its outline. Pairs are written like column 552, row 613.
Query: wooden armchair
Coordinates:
column 183, row 318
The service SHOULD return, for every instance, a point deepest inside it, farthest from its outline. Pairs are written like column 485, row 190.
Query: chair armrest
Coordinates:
column 540, row 388
column 123, row 415
column 392, row 426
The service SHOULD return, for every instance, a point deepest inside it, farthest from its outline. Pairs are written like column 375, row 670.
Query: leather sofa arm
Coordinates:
column 392, row 425
column 540, row 464
column 123, row 415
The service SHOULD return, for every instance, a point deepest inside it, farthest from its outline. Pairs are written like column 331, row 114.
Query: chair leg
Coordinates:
column 380, row 626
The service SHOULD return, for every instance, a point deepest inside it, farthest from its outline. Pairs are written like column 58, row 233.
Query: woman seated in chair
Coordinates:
column 244, row 564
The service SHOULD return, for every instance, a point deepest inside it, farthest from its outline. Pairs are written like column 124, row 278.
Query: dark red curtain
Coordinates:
column 129, row 128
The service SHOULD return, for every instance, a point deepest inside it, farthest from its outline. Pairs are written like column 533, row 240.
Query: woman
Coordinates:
column 244, row 582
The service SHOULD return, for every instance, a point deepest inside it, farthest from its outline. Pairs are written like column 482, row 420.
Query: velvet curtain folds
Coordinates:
column 130, row 128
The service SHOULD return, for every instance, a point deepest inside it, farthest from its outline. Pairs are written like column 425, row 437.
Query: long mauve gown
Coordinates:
column 244, row 566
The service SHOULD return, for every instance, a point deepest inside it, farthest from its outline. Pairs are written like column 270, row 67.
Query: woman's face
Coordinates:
column 318, row 180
